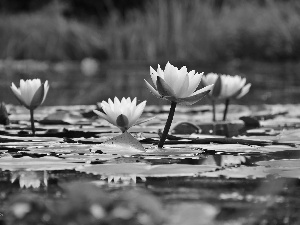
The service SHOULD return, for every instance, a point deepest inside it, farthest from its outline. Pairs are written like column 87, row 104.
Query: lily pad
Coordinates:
column 146, row 170
column 35, row 164
column 122, row 143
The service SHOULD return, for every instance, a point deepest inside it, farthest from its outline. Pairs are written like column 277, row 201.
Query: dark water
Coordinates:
column 272, row 83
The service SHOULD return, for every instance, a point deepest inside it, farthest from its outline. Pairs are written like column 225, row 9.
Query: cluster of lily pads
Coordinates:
column 177, row 86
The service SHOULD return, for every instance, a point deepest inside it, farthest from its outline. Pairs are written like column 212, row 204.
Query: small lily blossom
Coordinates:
column 31, row 93
column 123, row 114
column 226, row 86
column 177, row 85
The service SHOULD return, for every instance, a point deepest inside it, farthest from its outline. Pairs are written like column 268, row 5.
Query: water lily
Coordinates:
column 177, row 86
column 31, row 94
column 226, row 87
column 123, row 114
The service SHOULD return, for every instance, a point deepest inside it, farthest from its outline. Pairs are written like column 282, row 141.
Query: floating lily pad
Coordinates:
column 122, row 143
column 35, row 164
column 239, row 172
column 146, row 170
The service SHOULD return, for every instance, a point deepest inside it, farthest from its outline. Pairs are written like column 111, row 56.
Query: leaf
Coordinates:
column 239, row 172
column 36, row 164
column 146, row 170
column 122, row 144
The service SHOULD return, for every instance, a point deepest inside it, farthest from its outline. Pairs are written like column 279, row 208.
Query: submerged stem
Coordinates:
column 213, row 109
column 32, row 122
column 226, row 109
column 168, row 125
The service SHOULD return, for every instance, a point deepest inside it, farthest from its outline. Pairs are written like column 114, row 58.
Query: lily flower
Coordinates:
column 31, row 94
column 226, row 87
column 177, row 85
column 123, row 114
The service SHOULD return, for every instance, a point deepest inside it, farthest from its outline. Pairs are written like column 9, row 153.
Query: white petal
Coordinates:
column 104, row 116
column 209, row 87
column 152, row 90
column 137, row 113
column 244, row 91
column 154, row 75
column 194, row 83
column 181, row 76
column 171, row 75
column 46, row 88
column 184, row 87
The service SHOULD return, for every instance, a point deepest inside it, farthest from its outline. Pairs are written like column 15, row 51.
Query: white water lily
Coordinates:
column 227, row 87
column 31, row 93
column 123, row 114
column 177, row 85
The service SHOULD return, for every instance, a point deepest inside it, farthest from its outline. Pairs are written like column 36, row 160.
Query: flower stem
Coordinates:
column 168, row 125
column 32, row 122
column 226, row 109
column 213, row 109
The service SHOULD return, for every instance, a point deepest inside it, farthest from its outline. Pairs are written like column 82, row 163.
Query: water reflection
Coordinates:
column 30, row 179
column 217, row 160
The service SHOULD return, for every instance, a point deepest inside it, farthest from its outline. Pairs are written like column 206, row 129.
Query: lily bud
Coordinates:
column 31, row 93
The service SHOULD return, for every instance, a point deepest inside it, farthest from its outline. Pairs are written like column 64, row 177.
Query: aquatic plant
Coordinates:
column 176, row 86
column 31, row 94
column 226, row 87
column 123, row 114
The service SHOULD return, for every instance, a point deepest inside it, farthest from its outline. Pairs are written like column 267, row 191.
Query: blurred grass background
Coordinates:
column 197, row 30
column 91, row 50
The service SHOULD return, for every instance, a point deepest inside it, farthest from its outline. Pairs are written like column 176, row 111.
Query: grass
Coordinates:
column 191, row 30
column 194, row 30
column 47, row 36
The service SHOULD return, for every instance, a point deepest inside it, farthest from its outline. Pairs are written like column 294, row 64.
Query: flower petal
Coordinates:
column 194, row 82
column 163, row 88
column 154, row 75
column 37, row 97
column 171, row 75
column 137, row 113
column 180, row 79
column 105, row 116
column 216, row 91
column 46, row 87
column 17, row 93
column 152, row 90
column 182, row 92
column 244, row 91
column 192, row 99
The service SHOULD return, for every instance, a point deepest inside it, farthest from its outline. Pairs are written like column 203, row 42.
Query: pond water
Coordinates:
column 272, row 83
column 241, row 171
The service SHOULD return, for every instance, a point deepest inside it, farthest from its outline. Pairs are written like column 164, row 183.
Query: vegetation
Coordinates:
column 174, row 30
column 47, row 35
